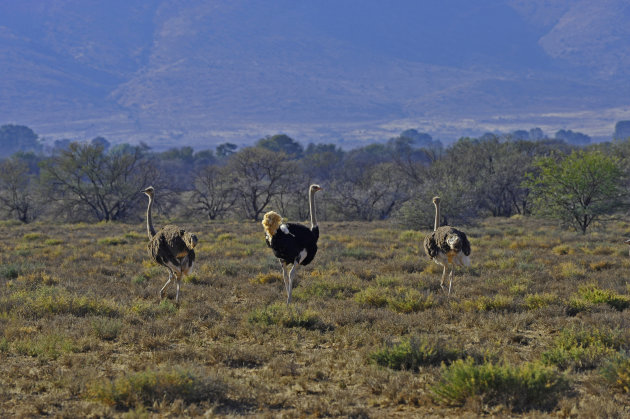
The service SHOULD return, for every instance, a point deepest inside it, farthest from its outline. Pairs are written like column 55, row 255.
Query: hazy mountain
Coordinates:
column 205, row 72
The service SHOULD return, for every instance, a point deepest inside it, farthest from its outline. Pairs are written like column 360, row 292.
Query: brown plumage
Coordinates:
column 447, row 246
column 171, row 247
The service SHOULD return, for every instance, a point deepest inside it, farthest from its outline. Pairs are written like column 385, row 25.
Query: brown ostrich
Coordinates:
column 447, row 246
column 171, row 247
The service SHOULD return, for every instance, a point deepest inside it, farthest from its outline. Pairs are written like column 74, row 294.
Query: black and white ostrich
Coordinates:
column 171, row 247
column 447, row 246
column 293, row 244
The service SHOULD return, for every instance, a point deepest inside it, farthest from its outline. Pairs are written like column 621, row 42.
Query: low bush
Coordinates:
column 285, row 315
column 412, row 353
column 148, row 387
column 524, row 387
column 617, row 372
column 582, row 349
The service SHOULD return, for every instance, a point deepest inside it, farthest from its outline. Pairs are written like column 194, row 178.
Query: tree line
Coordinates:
column 395, row 180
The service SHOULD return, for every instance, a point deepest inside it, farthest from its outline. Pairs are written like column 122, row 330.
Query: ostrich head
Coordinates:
column 454, row 242
column 271, row 221
column 436, row 200
column 149, row 191
column 315, row 188
column 189, row 238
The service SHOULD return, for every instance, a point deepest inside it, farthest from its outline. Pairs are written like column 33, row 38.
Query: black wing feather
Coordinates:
column 289, row 246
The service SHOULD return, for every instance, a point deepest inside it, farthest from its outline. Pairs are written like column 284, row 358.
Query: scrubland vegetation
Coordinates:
column 537, row 326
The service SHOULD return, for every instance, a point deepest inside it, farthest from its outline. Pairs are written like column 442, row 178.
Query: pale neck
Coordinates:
column 311, row 203
column 437, row 217
column 150, row 229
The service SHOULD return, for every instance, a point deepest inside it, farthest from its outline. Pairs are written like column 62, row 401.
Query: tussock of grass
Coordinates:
column 590, row 295
column 112, row 241
column 148, row 387
column 48, row 346
column 563, row 249
column 50, row 300
column 267, row 278
column 33, row 237
column 148, row 309
column 536, row 301
column 601, row 265
column 412, row 353
column 617, row 372
column 528, row 386
column 358, row 253
column 582, row 349
column 570, row 270
column 483, row 303
column 400, row 299
column 281, row 314
column 106, row 328
column 325, row 289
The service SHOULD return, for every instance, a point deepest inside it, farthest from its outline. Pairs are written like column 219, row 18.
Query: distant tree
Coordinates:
column 86, row 182
column 536, row 134
column 14, row 138
column 282, row 143
column 622, row 130
column 214, row 194
column 260, row 175
column 572, row 137
column 577, row 189
column 226, row 149
column 369, row 192
column 18, row 197
column 322, row 160
column 100, row 141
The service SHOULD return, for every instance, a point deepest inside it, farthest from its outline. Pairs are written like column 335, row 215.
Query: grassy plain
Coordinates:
column 538, row 326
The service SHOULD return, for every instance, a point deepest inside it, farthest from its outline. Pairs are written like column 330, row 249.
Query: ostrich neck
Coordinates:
column 150, row 229
column 437, row 217
column 311, row 203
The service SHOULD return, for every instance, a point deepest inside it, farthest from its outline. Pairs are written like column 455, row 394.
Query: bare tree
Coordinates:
column 214, row 193
column 86, row 182
column 259, row 176
column 17, row 195
column 369, row 192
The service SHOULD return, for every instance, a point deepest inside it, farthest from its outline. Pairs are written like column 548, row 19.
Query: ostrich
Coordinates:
column 171, row 247
column 627, row 241
column 293, row 244
column 447, row 246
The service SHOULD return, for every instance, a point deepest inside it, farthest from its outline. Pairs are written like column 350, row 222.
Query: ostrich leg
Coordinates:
column 291, row 278
column 285, row 278
column 170, row 277
column 443, row 276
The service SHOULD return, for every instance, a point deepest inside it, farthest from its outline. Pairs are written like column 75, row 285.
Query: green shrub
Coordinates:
column 112, row 241
column 411, row 354
column 106, row 328
column 596, row 295
column 148, row 309
column 408, row 300
column 582, row 349
column 148, row 387
column 400, row 300
column 49, row 301
column 536, row 301
column 617, row 372
column 48, row 346
column 524, row 387
column 372, row 296
column 285, row 315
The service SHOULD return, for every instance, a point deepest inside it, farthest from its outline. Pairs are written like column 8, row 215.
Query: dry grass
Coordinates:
column 539, row 322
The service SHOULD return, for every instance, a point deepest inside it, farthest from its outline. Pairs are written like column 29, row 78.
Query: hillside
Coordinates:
column 206, row 72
